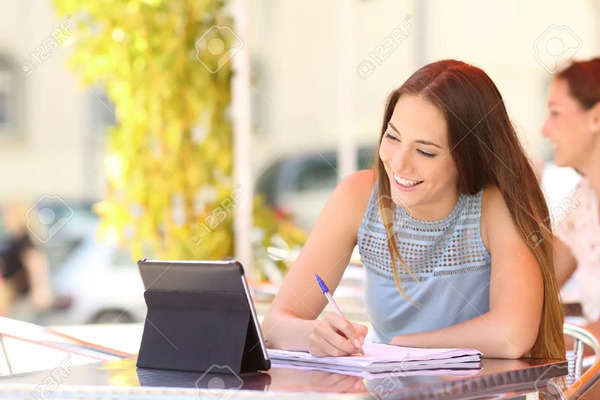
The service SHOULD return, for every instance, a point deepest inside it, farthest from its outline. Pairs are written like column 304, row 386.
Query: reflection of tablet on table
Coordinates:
column 200, row 316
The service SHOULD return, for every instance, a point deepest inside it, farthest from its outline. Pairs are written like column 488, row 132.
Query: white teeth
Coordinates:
column 405, row 182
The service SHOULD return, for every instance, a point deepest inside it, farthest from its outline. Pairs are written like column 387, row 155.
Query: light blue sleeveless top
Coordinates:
column 447, row 256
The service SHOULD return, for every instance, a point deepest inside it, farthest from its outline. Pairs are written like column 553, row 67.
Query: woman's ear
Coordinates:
column 594, row 114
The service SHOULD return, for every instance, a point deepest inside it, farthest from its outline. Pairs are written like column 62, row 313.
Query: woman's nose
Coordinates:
column 401, row 162
column 545, row 129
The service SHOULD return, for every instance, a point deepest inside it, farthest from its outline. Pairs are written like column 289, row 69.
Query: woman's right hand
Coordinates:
column 331, row 336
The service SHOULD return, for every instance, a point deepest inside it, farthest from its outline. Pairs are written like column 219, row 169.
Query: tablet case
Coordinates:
column 194, row 331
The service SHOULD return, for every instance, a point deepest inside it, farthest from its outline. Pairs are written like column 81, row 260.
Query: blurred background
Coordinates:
column 209, row 130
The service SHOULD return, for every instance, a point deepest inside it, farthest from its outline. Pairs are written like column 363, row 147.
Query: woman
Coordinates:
column 23, row 265
column 455, row 199
column 573, row 128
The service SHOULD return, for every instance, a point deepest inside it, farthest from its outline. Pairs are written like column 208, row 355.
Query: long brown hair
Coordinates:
column 583, row 78
column 486, row 151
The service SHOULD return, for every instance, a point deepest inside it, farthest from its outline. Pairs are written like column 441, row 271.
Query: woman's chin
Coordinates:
column 401, row 198
column 561, row 161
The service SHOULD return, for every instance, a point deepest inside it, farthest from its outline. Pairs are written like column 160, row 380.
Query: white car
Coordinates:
column 300, row 184
column 103, row 284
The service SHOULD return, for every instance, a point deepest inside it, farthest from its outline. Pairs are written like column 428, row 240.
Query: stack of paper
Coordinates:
column 384, row 358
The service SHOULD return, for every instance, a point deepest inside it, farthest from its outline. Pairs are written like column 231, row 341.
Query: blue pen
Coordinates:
column 331, row 301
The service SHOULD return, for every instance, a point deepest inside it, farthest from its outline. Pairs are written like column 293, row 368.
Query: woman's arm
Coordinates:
column 564, row 262
column 290, row 322
column 510, row 328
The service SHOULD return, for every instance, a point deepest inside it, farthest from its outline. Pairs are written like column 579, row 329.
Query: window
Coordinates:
column 268, row 182
column 3, row 108
column 318, row 173
column 8, row 97
column 102, row 111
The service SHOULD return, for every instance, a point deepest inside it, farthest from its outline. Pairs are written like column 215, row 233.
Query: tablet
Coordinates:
column 209, row 277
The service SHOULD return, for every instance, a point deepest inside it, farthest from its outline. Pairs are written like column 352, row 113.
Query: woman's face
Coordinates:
column 416, row 155
column 569, row 127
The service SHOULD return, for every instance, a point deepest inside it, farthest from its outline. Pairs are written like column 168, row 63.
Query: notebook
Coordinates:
column 383, row 358
column 466, row 369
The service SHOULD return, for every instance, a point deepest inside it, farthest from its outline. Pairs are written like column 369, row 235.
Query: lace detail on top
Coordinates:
column 449, row 246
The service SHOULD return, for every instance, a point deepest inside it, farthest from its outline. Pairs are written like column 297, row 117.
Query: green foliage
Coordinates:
column 169, row 164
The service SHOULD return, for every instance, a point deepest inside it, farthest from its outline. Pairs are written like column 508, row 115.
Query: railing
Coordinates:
column 582, row 381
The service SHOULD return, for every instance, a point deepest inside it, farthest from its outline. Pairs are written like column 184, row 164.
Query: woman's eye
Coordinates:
column 391, row 137
column 426, row 154
column 554, row 113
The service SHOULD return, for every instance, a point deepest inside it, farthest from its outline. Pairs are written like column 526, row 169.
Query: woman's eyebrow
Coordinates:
column 416, row 141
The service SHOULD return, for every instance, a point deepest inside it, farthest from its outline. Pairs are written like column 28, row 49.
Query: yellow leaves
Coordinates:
column 141, row 44
column 115, row 165
column 173, row 135
column 132, row 8
column 153, row 3
column 118, row 34
column 169, row 189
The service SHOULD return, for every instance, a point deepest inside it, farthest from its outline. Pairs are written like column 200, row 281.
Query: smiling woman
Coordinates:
column 573, row 128
column 452, row 228
column 414, row 152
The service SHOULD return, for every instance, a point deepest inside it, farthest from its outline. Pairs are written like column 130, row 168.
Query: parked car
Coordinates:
column 102, row 282
column 299, row 185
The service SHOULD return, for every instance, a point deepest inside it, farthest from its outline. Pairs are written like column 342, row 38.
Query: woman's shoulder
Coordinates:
column 352, row 194
column 358, row 186
column 492, row 197
column 494, row 211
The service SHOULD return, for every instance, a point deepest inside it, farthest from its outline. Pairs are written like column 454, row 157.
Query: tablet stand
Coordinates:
column 199, row 331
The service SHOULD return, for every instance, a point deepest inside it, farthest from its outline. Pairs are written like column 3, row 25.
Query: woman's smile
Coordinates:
column 405, row 183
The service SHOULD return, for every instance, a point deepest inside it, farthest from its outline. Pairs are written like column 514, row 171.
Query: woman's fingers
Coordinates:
column 336, row 330
column 345, row 328
column 328, row 337
column 321, row 347
column 361, row 331
column 335, row 336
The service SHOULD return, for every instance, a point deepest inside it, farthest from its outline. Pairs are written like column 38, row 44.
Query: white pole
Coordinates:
column 346, row 142
column 241, row 118
column 595, row 11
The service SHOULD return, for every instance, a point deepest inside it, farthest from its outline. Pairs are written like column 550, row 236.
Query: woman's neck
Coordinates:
column 438, row 210
column 592, row 169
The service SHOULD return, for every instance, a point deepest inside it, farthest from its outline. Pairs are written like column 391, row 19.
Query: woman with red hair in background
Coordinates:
column 573, row 128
